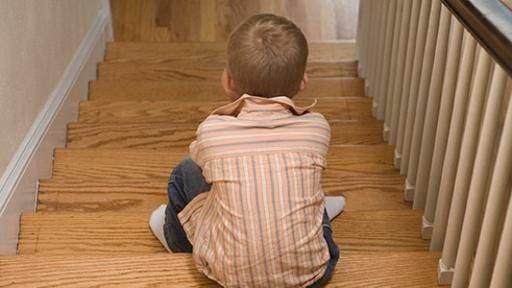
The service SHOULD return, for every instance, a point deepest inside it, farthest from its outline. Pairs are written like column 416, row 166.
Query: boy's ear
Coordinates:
column 304, row 82
column 229, row 85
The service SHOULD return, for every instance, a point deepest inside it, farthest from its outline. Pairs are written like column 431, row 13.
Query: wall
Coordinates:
column 39, row 37
column 48, row 53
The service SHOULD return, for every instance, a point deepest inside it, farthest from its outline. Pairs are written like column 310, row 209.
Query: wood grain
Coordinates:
column 335, row 108
column 356, row 269
column 193, row 71
column 148, row 164
column 213, row 20
column 128, row 233
column 214, row 52
column 209, row 90
column 166, row 136
column 91, row 226
column 95, row 194
column 131, row 180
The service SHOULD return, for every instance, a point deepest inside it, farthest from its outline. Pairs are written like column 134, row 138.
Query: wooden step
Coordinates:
column 181, row 111
column 93, row 180
column 372, row 160
column 211, row 51
column 168, row 135
column 197, row 71
column 355, row 269
column 135, row 195
column 209, row 91
column 128, row 233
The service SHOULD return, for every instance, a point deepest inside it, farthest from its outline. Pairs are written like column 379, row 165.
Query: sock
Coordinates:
column 334, row 205
column 156, row 224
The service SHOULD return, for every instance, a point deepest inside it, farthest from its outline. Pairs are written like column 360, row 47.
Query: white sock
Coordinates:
column 156, row 224
column 334, row 205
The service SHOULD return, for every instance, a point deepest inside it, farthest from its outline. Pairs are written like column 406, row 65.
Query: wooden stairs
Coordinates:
column 91, row 225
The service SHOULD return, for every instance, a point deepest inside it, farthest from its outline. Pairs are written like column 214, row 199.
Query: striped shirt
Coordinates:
column 261, row 223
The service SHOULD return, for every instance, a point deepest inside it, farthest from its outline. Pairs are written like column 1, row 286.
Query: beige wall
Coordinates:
column 37, row 41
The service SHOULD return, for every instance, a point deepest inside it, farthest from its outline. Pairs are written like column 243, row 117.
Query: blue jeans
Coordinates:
column 185, row 183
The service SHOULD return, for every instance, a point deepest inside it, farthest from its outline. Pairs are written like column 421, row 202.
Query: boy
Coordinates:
column 248, row 202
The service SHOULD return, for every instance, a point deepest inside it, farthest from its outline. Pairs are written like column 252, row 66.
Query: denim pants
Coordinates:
column 185, row 183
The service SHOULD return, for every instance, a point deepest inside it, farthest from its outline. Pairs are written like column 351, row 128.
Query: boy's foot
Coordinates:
column 156, row 224
column 334, row 205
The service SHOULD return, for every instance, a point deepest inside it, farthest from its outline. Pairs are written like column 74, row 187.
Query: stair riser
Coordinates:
column 375, row 161
column 178, row 270
column 215, row 52
column 175, row 112
column 119, row 233
column 169, row 136
column 57, row 196
column 209, row 91
column 204, row 71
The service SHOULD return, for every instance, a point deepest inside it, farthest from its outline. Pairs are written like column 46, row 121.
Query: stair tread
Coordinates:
column 372, row 160
column 355, row 269
column 179, row 111
column 194, row 70
column 136, row 179
column 211, row 51
column 210, row 90
column 128, row 233
column 136, row 195
column 169, row 135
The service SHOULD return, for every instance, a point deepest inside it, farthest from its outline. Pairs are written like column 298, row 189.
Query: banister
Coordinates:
column 449, row 124
column 490, row 22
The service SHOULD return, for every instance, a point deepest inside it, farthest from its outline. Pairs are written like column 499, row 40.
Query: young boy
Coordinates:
column 248, row 202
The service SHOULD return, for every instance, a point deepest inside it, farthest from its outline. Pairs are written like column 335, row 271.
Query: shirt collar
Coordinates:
column 248, row 106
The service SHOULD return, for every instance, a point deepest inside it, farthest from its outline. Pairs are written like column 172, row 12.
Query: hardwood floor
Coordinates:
column 213, row 20
column 91, row 224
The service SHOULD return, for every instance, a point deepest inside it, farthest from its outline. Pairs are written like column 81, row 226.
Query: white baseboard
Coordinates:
column 33, row 159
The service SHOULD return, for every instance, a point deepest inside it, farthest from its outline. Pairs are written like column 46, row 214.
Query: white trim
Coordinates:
column 444, row 273
column 409, row 191
column 32, row 160
column 427, row 228
column 108, row 11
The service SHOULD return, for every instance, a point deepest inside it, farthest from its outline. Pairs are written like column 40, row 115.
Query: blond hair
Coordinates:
column 267, row 56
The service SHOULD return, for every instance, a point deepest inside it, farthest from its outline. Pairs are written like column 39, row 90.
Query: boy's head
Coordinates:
column 267, row 57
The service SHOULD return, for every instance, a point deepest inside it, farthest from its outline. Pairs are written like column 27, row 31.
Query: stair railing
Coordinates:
column 439, row 74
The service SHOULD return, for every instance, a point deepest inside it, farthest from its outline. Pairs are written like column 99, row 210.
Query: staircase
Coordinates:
column 91, row 225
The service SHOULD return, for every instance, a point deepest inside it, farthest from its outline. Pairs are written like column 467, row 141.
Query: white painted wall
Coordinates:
column 48, row 53
column 38, row 40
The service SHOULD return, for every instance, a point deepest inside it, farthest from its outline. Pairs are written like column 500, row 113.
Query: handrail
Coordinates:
column 490, row 22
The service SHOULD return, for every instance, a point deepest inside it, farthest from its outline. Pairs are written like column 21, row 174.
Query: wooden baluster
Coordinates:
column 392, row 75
column 406, row 83
column 405, row 26
column 386, row 63
column 451, row 159
column 479, row 179
column 501, row 274
column 427, row 138
column 443, row 125
column 418, row 116
column 421, row 38
column 361, row 38
column 465, row 166
column 379, row 18
column 497, row 199
column 369, row 50
column 379, row 51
